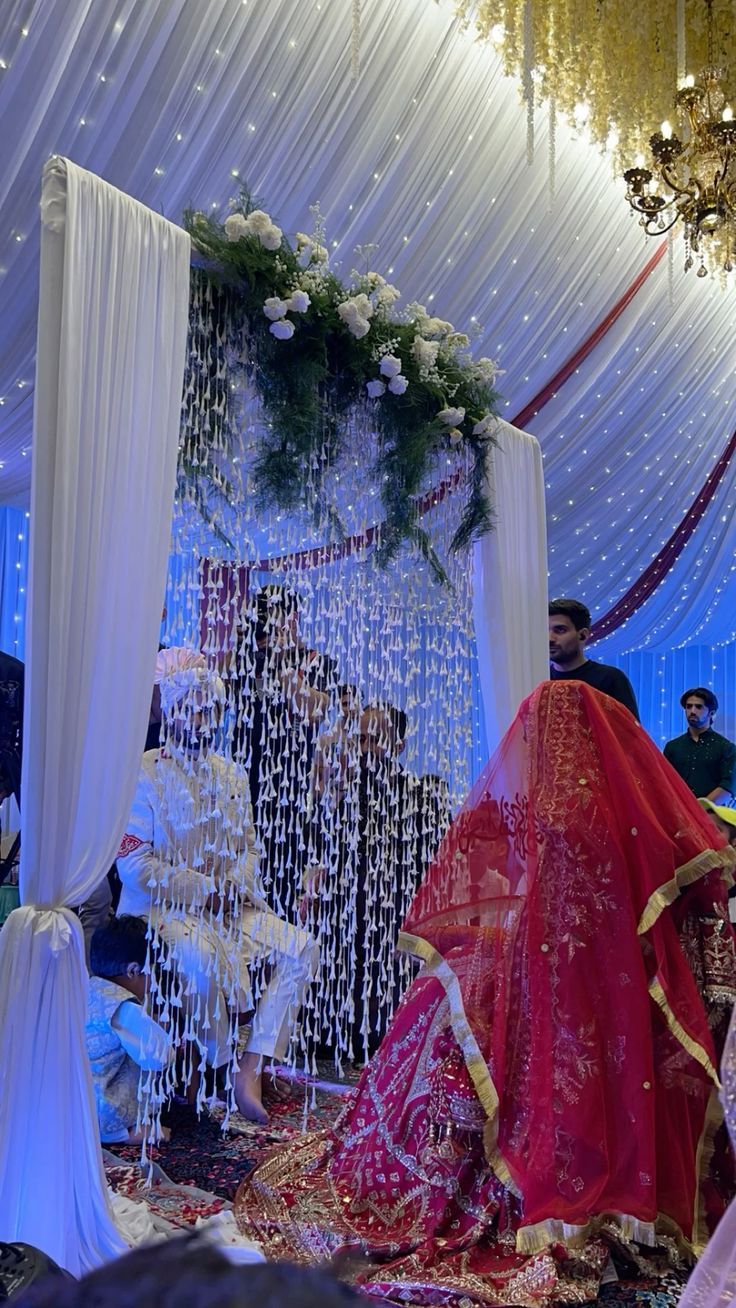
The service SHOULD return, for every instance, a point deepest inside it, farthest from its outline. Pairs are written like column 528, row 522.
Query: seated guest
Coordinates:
column 122, row 1038
column 281, row 698
column 188, row 863
column 332, row 752
column 569, row 633
column 705, row 760
column 386, row 875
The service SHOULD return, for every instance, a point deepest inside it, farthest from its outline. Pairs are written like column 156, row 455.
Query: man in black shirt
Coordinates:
column 705, row 760
column 569, row 632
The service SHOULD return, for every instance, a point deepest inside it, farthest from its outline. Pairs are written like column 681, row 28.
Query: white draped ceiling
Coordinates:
column 424, row 157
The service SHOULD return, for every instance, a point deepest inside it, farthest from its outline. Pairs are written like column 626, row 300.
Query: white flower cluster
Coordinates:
column 390, row 367
column 276, row 309
column 356, row 312
column 381, row 293
column 485, row 371
column 425, row 353
column 309, row 251
column 484, row 425
column 426, row 325
column 256, row 223
column 452, row 419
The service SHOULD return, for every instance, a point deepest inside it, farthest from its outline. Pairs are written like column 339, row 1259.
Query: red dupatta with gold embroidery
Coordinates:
column 547, row 917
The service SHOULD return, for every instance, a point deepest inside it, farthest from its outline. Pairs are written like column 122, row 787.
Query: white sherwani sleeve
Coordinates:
column 142, row 873
column 141, row 1037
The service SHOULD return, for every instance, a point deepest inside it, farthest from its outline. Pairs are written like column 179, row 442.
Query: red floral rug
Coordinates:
column 199, row 1154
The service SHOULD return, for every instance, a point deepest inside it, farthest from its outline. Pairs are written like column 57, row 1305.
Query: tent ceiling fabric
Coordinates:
column 424, row 156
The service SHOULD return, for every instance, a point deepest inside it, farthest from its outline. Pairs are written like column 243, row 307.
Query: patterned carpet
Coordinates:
column 199, row 1170
column 199, row 1154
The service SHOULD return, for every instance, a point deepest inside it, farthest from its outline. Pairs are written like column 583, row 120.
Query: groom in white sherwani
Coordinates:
column 188, row 863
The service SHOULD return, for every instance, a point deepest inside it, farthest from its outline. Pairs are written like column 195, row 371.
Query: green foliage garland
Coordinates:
column 318, row 349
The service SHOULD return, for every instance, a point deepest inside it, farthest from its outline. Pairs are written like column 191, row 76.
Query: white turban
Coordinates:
column 184, row 676
column 172, row 660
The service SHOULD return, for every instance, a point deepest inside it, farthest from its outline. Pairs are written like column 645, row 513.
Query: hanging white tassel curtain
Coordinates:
column 111, row 346
column 510, row 582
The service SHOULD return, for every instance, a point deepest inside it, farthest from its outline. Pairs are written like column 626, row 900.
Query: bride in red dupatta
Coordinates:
column 548, row 1087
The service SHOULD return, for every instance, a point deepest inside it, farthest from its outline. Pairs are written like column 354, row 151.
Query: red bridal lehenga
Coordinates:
column 548, row 1088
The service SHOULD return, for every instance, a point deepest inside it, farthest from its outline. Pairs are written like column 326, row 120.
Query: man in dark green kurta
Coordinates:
column 705, row 760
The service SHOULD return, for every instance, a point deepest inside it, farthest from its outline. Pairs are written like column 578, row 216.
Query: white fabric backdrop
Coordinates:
column 111, row 344
column 510, row 582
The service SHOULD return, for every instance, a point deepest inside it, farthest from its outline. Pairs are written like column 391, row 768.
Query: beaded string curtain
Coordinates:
column 348, row 683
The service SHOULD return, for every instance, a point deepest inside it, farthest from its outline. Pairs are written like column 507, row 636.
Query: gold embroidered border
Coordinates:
column 695, row 1050
column 533, row 1239
column 686, row 875
column 474, row 1060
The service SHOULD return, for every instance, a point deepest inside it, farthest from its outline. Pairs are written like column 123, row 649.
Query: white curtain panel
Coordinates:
column 510, row 582
column 110, row 364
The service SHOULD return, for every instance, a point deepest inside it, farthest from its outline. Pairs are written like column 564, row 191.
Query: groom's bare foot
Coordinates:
column 248, row 1090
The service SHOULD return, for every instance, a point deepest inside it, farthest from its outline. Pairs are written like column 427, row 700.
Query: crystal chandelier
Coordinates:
column 693, row 175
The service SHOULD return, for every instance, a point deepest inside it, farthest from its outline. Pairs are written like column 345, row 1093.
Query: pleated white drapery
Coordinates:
column 510, row 582
column 111, row 345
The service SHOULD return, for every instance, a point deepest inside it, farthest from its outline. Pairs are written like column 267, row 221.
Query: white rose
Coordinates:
column 270, row 237
column 347, row 310
column 455, row 436
column 359, row 327
column 375, row 389
column 390, row 365
column 363, row 305
column 282, row 330
column 484, row 425
column 302, row 239
column 320, row 254
column 274, row 308
column 451, row 416
column 398, row 385
column 299, row 301
column 458, row 340
column 351, row 313
column 258, row 221
column 236, row 226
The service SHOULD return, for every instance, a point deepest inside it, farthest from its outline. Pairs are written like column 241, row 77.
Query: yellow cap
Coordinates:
column 725, row 814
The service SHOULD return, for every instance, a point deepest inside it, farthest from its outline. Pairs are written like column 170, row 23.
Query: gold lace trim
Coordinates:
column 533, row 1239
column 695, row 1050
column 474, row 1060
column 686, row 875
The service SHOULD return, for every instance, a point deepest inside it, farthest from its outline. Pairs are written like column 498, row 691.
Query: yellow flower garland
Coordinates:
column 618, row 58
